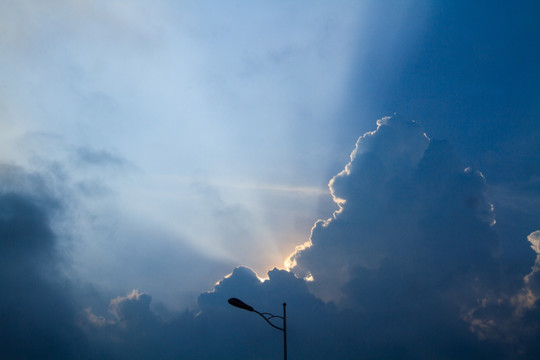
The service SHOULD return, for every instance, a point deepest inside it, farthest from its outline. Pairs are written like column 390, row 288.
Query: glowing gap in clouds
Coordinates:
column 304, row 190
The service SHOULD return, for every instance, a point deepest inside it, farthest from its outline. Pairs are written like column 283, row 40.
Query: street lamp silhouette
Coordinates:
column 266, row 316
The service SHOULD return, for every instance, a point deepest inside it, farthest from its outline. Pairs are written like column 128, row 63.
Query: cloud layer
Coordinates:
column 408, row 266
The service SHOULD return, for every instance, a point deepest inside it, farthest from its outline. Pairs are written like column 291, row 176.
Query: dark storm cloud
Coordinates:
column 36, row 312
column 406, row 201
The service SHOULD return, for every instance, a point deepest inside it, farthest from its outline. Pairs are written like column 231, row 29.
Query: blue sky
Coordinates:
column 155, row 147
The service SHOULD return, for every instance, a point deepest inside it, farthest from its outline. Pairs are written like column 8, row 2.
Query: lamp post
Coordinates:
column 266, row 316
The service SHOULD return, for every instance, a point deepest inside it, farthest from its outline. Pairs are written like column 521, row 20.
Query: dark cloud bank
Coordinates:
column 410, row 266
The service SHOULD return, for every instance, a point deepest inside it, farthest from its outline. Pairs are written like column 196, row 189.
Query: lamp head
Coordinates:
column 239, row 304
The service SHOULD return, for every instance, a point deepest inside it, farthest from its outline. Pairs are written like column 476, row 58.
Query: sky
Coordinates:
column 373, row 164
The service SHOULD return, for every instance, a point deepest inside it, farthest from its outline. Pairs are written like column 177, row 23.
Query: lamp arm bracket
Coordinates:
column 268, row 316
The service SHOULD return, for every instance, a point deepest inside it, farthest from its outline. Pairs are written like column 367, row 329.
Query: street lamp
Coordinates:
column 266, row 316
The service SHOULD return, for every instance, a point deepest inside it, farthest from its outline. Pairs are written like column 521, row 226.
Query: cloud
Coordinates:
column 511, row 316
column 408, row 266
column 217, row 330
column 403, row 201
column 530, row 293
column 133, row 309
column 36, row 308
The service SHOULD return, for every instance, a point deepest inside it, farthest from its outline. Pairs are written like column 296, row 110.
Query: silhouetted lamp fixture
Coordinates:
column 266, row 316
